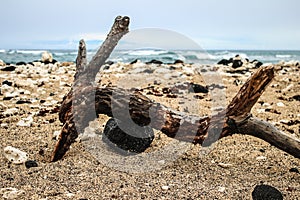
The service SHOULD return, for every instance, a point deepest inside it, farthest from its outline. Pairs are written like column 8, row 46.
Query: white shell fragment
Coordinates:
column 15, row 155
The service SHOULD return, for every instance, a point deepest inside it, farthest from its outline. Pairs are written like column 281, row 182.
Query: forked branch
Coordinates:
column 84, row 98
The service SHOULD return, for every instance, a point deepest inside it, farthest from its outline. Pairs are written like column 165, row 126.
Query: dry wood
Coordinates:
column 78, row 106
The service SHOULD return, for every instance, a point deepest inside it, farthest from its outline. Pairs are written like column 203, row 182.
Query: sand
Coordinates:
column 230, row 169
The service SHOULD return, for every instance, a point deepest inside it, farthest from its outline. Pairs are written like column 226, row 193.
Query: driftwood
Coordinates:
column 86, row 101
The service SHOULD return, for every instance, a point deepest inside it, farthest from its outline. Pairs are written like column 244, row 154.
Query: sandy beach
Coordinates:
column 29, row 102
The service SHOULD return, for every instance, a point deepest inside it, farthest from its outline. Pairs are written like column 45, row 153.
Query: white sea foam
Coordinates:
column 283, row 56
column 146, row 52
column 34, row 52
column 2, row 51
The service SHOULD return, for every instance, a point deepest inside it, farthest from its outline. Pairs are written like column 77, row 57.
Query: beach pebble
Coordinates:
column 11, row 193
column 294, row 170
column 10, row 112
column 25, row 122
column 280, row 104
column 224, row 165
column 55, row 135
column 9, row 68
column 30, row 163
column 165, row 187
column 6, row 89
column 15, row 155
column 46, row 57
column 261, row 158
column 221, row 189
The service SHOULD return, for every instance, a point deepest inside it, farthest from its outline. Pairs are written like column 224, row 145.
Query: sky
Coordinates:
column 213, row 24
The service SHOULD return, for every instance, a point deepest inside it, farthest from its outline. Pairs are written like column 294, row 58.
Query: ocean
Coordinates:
column 166, row 56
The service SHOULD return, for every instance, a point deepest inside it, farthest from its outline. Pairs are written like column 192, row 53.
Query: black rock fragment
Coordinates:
column 21, row 63
column 9, row 68
column 155, row 62
column 196, row 88
column 6, row 82
column 266, row 192
column 127, row 136
column 30, row 163
column 294, row 170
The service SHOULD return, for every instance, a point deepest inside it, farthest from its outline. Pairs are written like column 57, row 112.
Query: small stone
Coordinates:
column 6, row 82
column 30, row 163
column 224, row 165
column 280, row 104
column 25, row 122
column 70, row 195
column 8, row 68
column 165, row 187
column 162, row 162
column 10, row 112
column 56, row 135
column 294, row 170
column 261, row 158
column 196, row 88
column 15, row 155
column 47, row 57
column 221, row 189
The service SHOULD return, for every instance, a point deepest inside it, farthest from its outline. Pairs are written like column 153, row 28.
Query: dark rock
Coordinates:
column 30, row 63
column 224, row 62
column 23, row 101
column 258, row 64
column 148, row 71
column 237, row 64
column 127, row 137
column 155, row 62
column 294, row 170
column 106, row 67
column 30, row 163
column 21, row 63
column 7, row 98
column 266, row 192
column 178, row 61
column 196, row 88
column 271, row 110
column 109, row 62
column 133, row 62
column 172, row 68
column 46, row 62
column 238, row 82
column 6, row 82
column 216, row 86
column 296, row 97
column 9, row 68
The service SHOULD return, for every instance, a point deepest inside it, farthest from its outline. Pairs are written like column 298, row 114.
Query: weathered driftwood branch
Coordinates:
column 76, row 113
column 84, row 78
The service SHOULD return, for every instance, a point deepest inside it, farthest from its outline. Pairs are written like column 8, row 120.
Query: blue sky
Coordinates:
column 213, row 24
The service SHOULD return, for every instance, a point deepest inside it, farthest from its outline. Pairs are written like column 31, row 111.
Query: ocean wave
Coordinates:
column 33, row 52
column 283, row 56
column 146, row 52
column 2, row 51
